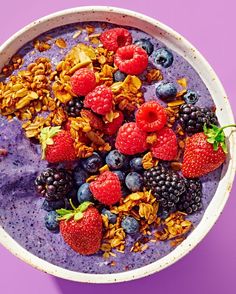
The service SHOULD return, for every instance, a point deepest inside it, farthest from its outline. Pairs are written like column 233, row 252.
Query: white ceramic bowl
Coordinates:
column 177, row 43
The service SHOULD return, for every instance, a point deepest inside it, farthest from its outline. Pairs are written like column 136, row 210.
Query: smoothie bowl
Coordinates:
column 113, row 160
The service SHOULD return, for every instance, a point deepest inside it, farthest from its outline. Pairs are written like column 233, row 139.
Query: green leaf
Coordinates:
column 63, row 211
column 83, row 206
column 224, row 147
column 215, row 146
column 211, row 140
column 78, row 216
column 46, row 136
column 66, row 217
column 49, row 141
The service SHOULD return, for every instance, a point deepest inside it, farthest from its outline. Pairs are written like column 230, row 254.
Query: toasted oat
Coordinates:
column 183, row 82
column 154, row 75
column 175, row 165
column 148, row 161
column 41, row 45
column 61, row 43
column 77, row 34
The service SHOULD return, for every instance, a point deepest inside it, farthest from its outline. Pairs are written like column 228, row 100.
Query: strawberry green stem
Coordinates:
column 228, row 126
column 72, row 205
column 216, row 136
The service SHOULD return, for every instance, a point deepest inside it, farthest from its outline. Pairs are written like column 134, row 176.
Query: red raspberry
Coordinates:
column 106, row 188
column 112, row 127
column 131, row 59
column 99, row 100
column 130, row 139
column 116, row 38
column 151, row 116
column 83, row 81
column 165, row 148
column 94, row 121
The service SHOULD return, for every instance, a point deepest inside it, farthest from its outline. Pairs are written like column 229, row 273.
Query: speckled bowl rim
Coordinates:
column 178, row 43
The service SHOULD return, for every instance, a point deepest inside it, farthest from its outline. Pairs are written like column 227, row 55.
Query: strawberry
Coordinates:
column 81, row 228
column 57, row 145
column 165, row 147
column 204, row 152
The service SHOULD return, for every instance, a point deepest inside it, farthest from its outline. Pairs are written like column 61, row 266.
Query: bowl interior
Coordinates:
column 177, row 43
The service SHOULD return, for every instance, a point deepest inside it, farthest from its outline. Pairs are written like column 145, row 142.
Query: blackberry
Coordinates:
column 74, row 106
column 191, row 200
column 193, row 118
column 166, row 185
column 54, row 183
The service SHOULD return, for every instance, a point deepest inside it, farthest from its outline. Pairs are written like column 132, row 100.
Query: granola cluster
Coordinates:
column 143, row 206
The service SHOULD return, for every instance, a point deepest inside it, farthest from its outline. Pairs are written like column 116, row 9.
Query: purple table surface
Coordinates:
column 209, row 268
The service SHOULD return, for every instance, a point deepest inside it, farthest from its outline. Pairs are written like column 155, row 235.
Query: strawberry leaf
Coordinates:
column 224, row 147
column 46, row 136
column 78, row 216
column 83, row 206
column 63, row 211
column 66, row 217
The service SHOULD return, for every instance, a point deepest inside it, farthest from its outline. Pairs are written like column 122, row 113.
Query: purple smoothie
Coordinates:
column 20, row 207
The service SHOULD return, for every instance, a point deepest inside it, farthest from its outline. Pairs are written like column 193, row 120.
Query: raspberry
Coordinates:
column 83, row 81
column 112, row 127
column 116, row 38
column 99, row 100
column 151, row 116
column 165, row 148
column 130, row 139
column 106, row 188
column 131, row 59
column 94, row 121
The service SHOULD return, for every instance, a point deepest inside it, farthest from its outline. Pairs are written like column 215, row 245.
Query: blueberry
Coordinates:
column 92, row 163
column 163, row 57
column 111, row 216
column 51, row 222
column 190, row 97
column 134, row 181
column 119, row 76
column 115, row 160
column 136, row 164
column 124, row 191
column 53, row 205
column 120, row 174
column 145, row 44
column 130, row 225
column 84, row 193
column 166, row 90
column 80, row 176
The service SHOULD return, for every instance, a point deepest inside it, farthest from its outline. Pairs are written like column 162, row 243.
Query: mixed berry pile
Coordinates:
column 118, row 165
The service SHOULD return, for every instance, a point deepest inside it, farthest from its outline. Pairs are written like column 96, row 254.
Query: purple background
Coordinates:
column 209, row 268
